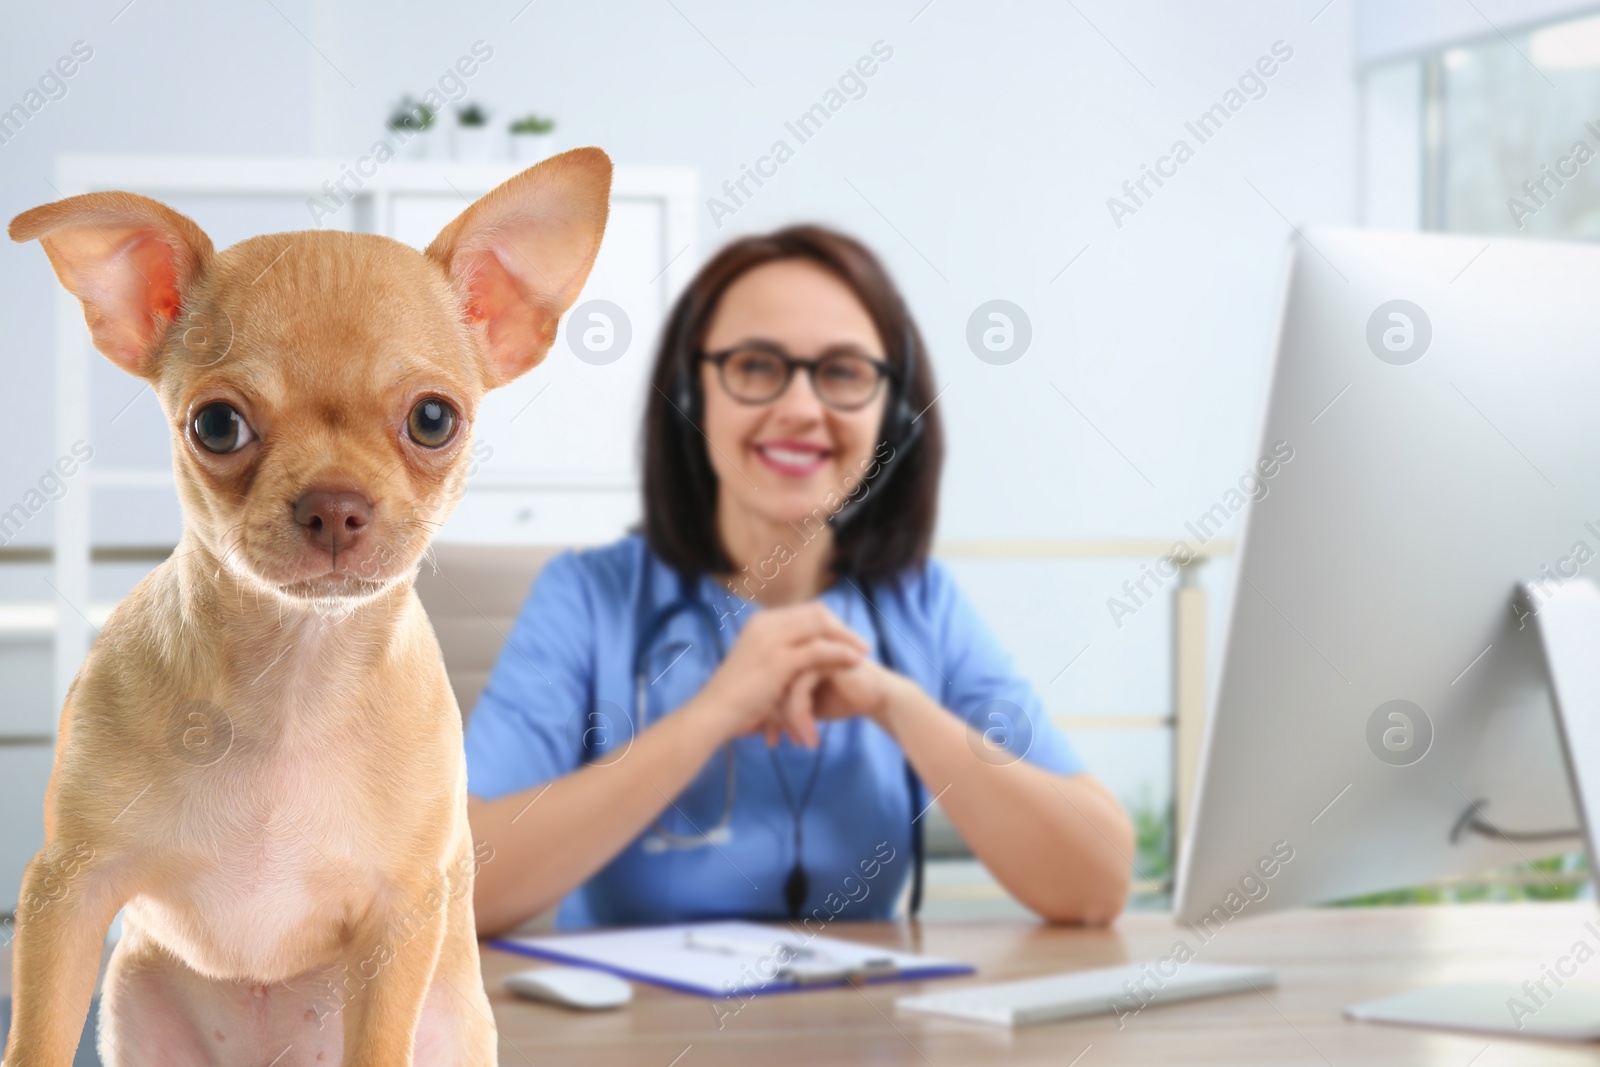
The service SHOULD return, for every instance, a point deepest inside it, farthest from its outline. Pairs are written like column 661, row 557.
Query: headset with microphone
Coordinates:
column 902, row 425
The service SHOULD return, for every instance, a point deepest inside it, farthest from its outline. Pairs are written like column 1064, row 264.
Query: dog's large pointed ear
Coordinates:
column 521, row 253
column 128, row 259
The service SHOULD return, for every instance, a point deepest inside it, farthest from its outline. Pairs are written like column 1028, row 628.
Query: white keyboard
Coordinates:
column 1118, row 990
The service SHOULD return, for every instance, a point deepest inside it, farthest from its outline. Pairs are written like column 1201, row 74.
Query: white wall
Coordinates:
column 979, row 163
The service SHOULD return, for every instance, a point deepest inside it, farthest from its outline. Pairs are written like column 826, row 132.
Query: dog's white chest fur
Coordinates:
column 262, row 862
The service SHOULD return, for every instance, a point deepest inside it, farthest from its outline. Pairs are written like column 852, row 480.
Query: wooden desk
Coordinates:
column 1325, row 959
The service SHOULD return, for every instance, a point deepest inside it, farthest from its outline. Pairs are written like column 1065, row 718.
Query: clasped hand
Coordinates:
column 792, row 667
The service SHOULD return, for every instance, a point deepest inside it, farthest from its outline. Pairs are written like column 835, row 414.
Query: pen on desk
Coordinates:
column 734, row 947
column 827, row 972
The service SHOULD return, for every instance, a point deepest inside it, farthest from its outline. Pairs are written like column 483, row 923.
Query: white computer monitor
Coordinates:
column 1383, row 716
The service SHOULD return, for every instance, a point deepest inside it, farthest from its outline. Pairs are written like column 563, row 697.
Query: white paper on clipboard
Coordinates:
column 717, row 959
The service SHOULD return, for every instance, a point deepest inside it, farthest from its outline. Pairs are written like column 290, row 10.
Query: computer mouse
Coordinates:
column 572, row 987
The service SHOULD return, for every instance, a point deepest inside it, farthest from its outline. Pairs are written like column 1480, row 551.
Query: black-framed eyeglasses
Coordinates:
column 757, row 372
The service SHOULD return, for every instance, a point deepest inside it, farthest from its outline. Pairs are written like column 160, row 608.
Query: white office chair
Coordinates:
column 472, row 593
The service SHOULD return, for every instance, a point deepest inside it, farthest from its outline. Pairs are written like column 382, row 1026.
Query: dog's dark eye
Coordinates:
column 221, row 429
column 432, row 422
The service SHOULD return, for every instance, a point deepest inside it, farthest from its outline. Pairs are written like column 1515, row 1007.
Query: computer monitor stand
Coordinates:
column 1567, row 618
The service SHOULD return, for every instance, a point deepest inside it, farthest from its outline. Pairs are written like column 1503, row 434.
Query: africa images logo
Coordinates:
column 1399, row 733
column 1399, row 332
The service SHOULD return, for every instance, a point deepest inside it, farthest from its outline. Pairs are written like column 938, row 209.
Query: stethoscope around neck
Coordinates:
column 649, row 629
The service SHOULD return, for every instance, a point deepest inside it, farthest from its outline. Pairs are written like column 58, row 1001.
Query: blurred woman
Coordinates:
column 746, row 709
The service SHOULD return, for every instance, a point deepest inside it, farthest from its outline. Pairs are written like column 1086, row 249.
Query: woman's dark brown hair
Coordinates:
column 890, row 526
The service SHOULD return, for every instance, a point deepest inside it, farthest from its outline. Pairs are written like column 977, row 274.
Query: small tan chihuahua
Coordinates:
column 261, row 759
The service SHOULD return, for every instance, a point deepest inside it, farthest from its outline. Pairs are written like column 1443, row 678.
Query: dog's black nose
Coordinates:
column 333, row 519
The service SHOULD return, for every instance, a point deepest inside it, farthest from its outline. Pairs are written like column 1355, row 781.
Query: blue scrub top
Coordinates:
column 563, row 690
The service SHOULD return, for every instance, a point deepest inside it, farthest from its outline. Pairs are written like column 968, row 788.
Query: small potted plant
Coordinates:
column 532, row 138
column 410, row 128
column 474, row 139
